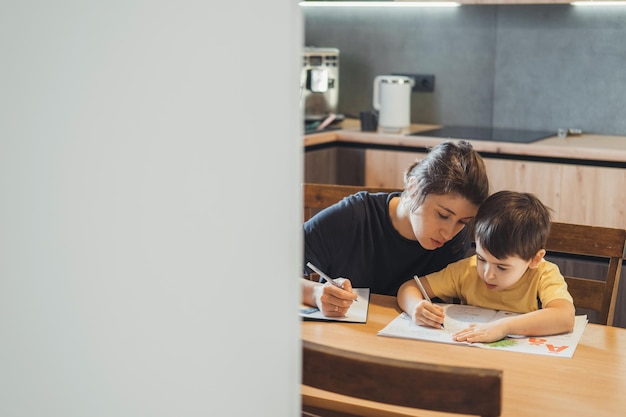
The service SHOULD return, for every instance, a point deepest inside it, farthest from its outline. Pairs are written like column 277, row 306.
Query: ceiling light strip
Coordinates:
column 598, row 3
column 379, row 4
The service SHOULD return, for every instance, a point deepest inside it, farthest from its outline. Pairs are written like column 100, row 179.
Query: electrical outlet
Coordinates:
column 422, row 83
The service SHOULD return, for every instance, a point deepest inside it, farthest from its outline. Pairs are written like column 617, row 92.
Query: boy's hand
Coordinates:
column 428, row 314
column 333, row 301
column 484, row 332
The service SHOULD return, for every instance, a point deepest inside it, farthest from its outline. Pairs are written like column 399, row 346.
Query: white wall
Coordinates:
column 150, row 174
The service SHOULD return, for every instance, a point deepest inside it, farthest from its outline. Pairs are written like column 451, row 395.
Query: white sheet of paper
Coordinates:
column 356, row 314
column 461, row 316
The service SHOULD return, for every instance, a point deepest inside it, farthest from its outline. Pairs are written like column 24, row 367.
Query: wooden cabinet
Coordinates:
column 593, row 195
column 539, row 178
column 334, row 165
column 576, row 193
column 386, row 168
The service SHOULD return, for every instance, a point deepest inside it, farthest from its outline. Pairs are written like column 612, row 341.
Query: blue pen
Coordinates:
column 326, row 277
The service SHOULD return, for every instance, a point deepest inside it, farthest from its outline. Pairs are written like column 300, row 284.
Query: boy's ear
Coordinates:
column 536, row 260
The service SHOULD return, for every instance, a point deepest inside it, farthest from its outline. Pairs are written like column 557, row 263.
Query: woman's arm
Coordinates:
column 332, row 301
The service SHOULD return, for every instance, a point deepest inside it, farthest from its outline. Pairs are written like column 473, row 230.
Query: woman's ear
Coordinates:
column 411, row 183
column 410, row 189
column 536, row 260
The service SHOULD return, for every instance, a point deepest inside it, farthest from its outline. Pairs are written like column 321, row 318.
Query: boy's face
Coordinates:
column 499, row 274
column 440, row 218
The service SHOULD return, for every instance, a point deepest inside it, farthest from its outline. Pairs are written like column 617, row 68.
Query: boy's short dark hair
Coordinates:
column 511, row 223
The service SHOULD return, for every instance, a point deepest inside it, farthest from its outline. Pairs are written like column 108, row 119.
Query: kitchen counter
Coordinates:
column 599, row 150
column 581, row 178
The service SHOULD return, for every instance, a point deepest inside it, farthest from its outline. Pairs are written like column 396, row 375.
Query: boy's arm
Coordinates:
column 412, row 302
column 409, row 296
column 556, row 317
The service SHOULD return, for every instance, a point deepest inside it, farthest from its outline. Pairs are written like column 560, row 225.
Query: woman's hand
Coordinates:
column 333, row 301
column 428, row 314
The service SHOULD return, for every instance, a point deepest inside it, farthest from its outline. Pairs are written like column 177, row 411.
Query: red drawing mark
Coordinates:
column 556, row 349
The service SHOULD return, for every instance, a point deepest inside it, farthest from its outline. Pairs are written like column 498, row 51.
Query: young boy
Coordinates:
column 508, row 272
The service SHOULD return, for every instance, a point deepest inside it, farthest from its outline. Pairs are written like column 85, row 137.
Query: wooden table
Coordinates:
column 591, row 383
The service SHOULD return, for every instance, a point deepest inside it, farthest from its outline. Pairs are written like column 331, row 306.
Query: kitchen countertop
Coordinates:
column 588, row 147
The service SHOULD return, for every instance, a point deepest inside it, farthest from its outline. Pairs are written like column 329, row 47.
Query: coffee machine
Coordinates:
column 319, row 82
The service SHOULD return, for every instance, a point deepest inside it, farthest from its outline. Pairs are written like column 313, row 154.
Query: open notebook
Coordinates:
column 459, row 317
column 356, row 314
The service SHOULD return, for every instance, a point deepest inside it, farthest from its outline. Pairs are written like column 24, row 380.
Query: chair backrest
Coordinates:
column 593, row 242
column 320, row 196
column 451, row 389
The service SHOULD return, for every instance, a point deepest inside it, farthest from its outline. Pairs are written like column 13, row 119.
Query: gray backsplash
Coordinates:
column 539, row 67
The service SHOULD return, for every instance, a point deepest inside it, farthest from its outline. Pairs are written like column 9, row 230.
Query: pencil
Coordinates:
column 423, row 290
column 326, row 277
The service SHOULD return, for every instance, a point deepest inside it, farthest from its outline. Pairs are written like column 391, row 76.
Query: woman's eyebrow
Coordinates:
column 453, row 213
column 447, row 209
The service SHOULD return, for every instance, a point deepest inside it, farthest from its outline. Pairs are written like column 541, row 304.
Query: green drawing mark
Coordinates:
column 503, row 343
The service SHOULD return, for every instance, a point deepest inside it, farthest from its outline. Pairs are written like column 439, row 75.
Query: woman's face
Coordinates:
column 440, row 218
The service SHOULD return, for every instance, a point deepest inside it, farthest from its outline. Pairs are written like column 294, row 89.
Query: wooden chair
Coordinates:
column 591, row 242
column 452, row 389
column 320, row 196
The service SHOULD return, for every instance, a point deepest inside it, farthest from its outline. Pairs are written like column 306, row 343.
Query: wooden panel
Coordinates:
column 335, row 166
column 587, row 240
column 350, row 166
column 593, row 195
column 320, row 166
column 540, row 178
column 387, row 168
column 576, row 194
column 320, row 196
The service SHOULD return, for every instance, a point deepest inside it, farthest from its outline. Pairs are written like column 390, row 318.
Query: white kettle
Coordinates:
column 392, row 99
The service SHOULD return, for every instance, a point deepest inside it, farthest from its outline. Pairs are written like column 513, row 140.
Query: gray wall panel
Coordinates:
column 456, row 45
column 533, row 67
column 561, row 66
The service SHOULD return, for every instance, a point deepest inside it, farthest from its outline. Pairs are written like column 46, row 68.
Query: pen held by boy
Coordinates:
column 431, row 315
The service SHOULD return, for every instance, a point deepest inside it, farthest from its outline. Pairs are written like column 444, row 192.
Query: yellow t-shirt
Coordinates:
column 460, row 280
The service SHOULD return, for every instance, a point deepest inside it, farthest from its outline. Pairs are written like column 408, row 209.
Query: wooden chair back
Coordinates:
column 591, row 242
column 451, row 389
column 320, row 196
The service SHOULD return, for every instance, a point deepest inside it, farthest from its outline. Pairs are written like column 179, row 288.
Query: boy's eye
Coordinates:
column 479, row 259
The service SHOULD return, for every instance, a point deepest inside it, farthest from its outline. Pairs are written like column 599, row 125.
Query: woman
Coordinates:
column 380, row 240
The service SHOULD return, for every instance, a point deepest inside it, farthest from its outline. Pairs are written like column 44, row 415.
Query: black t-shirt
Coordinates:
column 355, row 239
